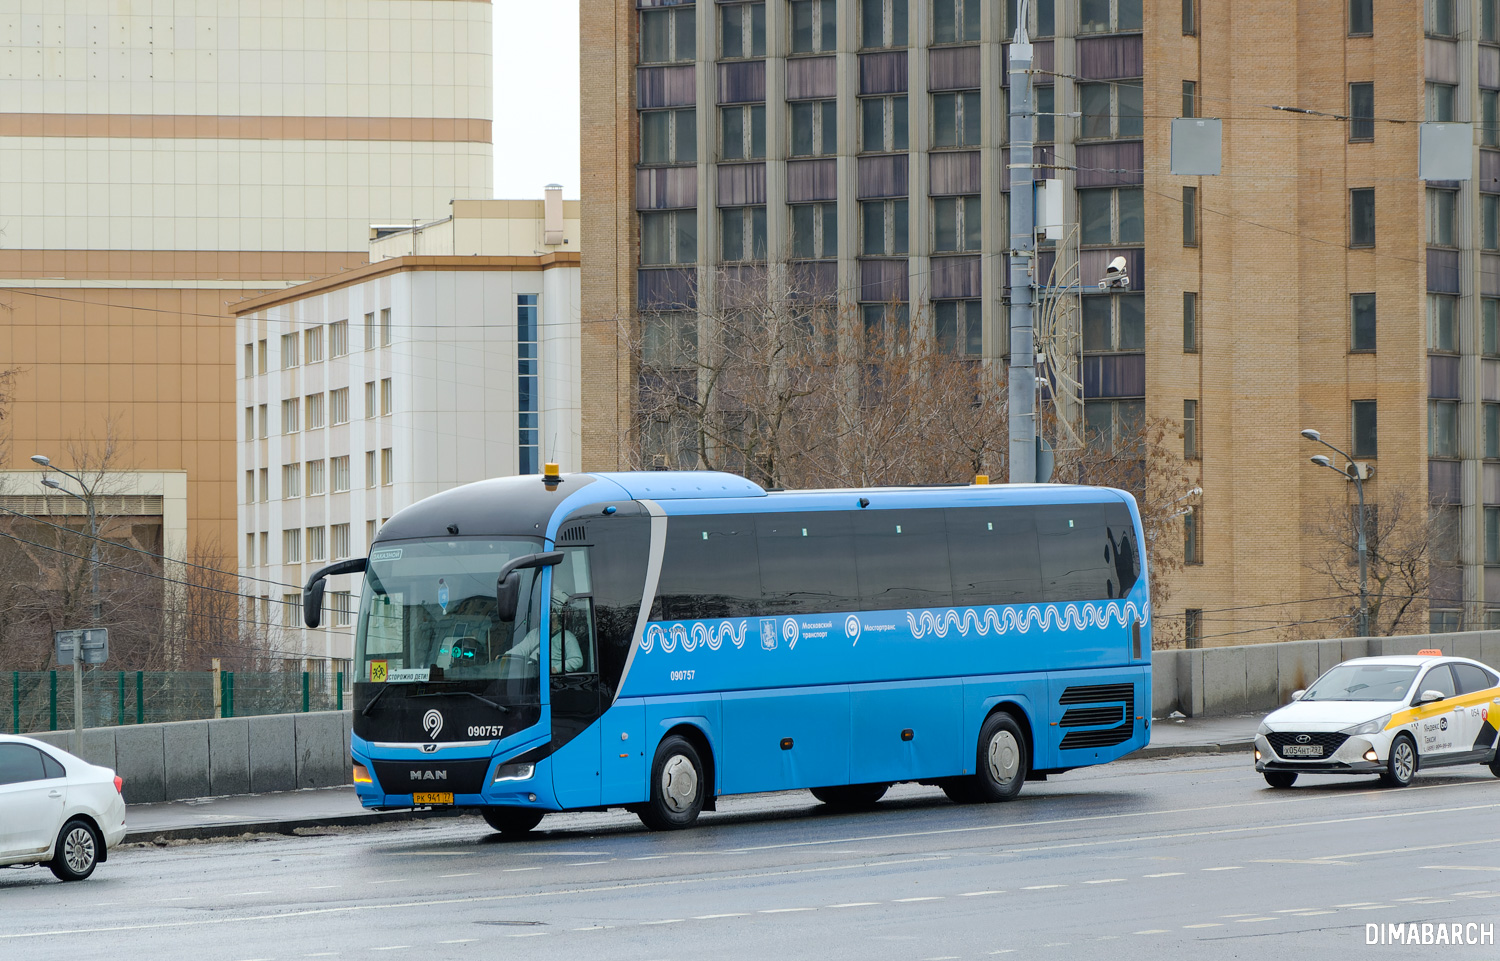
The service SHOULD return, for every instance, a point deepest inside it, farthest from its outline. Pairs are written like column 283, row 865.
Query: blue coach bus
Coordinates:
column 656, row 640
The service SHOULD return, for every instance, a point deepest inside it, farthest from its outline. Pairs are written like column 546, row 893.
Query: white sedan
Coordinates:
column 56, row 809
column 1384, row 715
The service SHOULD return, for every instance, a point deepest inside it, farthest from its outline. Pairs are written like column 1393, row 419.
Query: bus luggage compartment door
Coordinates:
column 906, row 730
column 779, row 740
column 622, row 733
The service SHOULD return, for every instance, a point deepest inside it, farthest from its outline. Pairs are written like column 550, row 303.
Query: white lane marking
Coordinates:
column 237, row 894
column 909, row 900
column 460, row 941
column 650, row 857
column 322, row 887
column 1004, row 951
column 1042, row 887
column 393, row 947
column 469, row 875
column 666, row 921
column 855, row 904
column 978, row 894
column 1292, row 910
column 1308, row 914
column 1373, row 907
column 164, row 899
column 1299, row 861
column 1235, row 867
column 1354, row 904
column 513, row 870
column 579, row 864
column 1104, row 881
column 783, row 910
column 528, row 934
column 1154, row 931
column 711, row 917
column 1234, row 915
column 322, row 954
column 1165, row 874
column 946, row 957
column 1251, row 920
column 1211, row 924
column 1456, row 867
column 389, row 881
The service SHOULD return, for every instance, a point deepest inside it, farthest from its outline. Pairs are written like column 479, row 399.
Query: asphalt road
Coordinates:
column 1187, row 857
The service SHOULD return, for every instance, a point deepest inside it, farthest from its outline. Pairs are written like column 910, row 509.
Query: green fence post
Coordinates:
column 140, row 697
column 229, row 694
column 15, row 702
column 304, row 692
column 341, row 690
column 120, row 701
column 52, row 697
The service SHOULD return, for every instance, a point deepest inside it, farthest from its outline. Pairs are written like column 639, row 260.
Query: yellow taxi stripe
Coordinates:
column 1443, row 707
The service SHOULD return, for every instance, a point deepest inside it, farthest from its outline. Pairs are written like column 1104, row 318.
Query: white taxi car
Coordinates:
column 56, row 809
column 1384, row 715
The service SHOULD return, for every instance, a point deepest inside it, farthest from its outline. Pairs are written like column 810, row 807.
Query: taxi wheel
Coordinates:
column 1281, row 779
column 511, row 821
column 77, row 852
column 677, row 787
column 1402, row 765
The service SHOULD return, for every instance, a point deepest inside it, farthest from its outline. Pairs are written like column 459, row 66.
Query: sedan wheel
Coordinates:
column 77, row 851
column 1403, row 762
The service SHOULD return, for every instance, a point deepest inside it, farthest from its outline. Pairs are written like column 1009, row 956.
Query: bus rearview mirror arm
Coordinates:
column 312, row 594
column 508, row 583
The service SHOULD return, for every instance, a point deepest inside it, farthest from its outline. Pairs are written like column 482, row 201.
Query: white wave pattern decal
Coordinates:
column 1020, row 620
column 714, row 636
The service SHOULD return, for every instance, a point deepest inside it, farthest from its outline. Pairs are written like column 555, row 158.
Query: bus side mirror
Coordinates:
column 312, row 594
column 508, row 584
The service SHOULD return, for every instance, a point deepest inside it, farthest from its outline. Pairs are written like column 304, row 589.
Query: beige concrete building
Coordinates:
column 1316, row 282
column 159, row 162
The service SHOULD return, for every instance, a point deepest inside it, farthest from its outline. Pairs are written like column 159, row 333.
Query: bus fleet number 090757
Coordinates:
column 682, row 675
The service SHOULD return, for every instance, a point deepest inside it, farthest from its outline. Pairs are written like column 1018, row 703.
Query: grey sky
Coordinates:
column 536, row 97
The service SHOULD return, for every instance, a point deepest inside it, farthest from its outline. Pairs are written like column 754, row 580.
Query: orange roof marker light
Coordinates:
column 981, row 479
column 1430, row 652
column 551, row 476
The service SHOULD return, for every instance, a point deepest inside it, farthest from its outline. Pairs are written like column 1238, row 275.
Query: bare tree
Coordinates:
column 1400, row 532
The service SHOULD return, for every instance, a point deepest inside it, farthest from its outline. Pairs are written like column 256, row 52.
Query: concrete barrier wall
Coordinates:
column 242, row 755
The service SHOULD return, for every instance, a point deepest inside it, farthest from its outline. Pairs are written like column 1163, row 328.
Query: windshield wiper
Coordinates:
column 497, row 706
column 378, row 695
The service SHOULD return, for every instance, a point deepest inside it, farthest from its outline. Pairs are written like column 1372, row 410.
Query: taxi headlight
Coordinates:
column 1264, row 729
column 1369, row 727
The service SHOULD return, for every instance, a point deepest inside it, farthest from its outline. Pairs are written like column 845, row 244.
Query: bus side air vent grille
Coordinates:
column 572, row 534
column 1120, row 713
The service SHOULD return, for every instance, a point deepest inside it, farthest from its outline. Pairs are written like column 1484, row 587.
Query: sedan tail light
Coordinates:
column 119, row 784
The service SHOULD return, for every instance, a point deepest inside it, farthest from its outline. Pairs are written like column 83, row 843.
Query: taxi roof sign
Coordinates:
column 1430, row 652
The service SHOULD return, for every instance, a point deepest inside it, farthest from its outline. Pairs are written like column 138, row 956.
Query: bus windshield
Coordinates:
column 428, row 613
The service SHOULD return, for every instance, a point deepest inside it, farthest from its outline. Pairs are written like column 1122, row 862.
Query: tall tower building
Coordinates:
column 160, row 161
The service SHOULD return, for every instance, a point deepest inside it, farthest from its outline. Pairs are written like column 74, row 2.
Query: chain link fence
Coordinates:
column 34, row 701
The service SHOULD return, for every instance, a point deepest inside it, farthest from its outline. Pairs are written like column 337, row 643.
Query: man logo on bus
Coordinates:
column 790, row 632
column 432, row 723
column 851, row 627
column 768, row 633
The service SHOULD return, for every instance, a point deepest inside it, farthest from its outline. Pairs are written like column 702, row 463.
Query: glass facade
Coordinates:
column 528, row 388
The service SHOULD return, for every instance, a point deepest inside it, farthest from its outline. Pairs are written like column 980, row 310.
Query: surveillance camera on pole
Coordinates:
column 1115, row 277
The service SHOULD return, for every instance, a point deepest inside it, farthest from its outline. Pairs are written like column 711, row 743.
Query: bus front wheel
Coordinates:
column 1001, row 764
column 511, row 821
column 677, row 787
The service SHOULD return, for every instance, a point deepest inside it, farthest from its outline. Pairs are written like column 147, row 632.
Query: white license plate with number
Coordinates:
column 1302, row 750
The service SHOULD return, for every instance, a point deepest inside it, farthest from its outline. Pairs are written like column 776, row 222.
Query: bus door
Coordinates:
column 573, row 685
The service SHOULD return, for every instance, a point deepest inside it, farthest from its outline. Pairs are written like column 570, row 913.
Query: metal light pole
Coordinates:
column 1021, row 389
column 95, row 613
column 1353, row 473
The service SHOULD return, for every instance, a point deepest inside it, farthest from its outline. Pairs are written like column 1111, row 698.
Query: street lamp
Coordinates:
column 96, row 614
column 1354, row 472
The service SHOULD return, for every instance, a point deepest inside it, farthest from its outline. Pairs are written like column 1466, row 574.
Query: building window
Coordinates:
column 342, row 602
column 1111, row 110
column 312, row 344
column 955, row 21
column 815, row 128
column 669, row 237
column 249, row 423
column 1364, row 432
column 1361, row 111
column 669, row 36
column 265, row 422
column 814, row 26
column 1491, row 417
column 743, row 132
column 528, row 393
column 265, row 487
column 387, row 401
column 958, row 326
column 1192, row 537
column 1046, row 18
column 1111, row 215
column 882, row 23
column 291, row 546
column 250, row 487
column 370, row 330
column 387, row 467
column 385, row 327
column 1190, row 430
column 955, row 119
column 1442, row 428
column 249, row 360
column 1114, row 426
column 1362, row 217
column 1361, row 18
column 1441, row 98
column 815, row 231
column 1441, row 21
column 265, row 548
column 260, row 364
column 1361, row 322
column 742, row 234
column 289, row 352
column 1189, row 98
column 1108, row 16
column 1442, row 212
column 1489, row 111
column 291, row 606
column 669, row 340
column 880, row 320
column 742, row 30
column 291, row 415
column 317, row 544
column 338, row 405
column 1489, row 221
column 340, row 541
column 885, row 230
column 338, row 338
column 1114, row 322
column 1193, row 637
column 1189, row 322
column 369, row 469
column 314, row 411
column 369, row 398
column 291, row 481
column 1046, row 114
column 315, row 478
column 1489, row 20
column 882, row 124
column 956, row 224
column 1442, row 323
column 249, row 550
column 669, row 136
column 340, row 473
column 1189, row 216
column 1492, row 535
column 1489, row 322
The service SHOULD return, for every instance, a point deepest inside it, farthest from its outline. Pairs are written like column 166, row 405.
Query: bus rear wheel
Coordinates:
column 677, row 787
column 1001, row 763
column 850, row 797
column 511, row 821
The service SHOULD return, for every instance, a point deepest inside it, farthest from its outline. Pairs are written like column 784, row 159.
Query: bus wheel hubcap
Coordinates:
column 679, row 783
column 1005, row 757
column 78, row 849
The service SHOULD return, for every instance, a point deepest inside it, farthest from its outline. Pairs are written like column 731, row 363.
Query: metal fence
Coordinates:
column 32, row 701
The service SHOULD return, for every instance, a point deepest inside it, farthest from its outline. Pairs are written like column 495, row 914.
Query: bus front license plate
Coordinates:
column 1303, row 750
column 444, row 798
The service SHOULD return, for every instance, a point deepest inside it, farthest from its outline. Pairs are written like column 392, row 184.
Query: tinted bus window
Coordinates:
column 710, row 569
column 993, row 554
column 619, row 547
column 807, row 562
column 902, row 559
column 1087, row 551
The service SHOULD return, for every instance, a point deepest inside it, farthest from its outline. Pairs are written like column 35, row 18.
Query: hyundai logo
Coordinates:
column 1304, row 738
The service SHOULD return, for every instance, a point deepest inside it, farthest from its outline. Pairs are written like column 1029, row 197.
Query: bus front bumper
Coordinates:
column 459, row 783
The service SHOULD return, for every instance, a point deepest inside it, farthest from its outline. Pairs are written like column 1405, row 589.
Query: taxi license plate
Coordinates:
column 444, row 798
column 1302, row 750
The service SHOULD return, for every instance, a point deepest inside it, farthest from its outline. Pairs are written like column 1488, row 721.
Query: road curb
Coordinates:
column 290, row 826
column 1175, row 750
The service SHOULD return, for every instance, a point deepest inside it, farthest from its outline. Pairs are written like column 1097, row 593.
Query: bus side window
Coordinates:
column 993, row 554
column 1073, row 542
column 807, row 562
column 902, row 559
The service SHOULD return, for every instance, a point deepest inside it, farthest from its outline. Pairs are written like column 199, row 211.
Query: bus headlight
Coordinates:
column 515, row 771
column 362, row 775
column 1369, row 727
